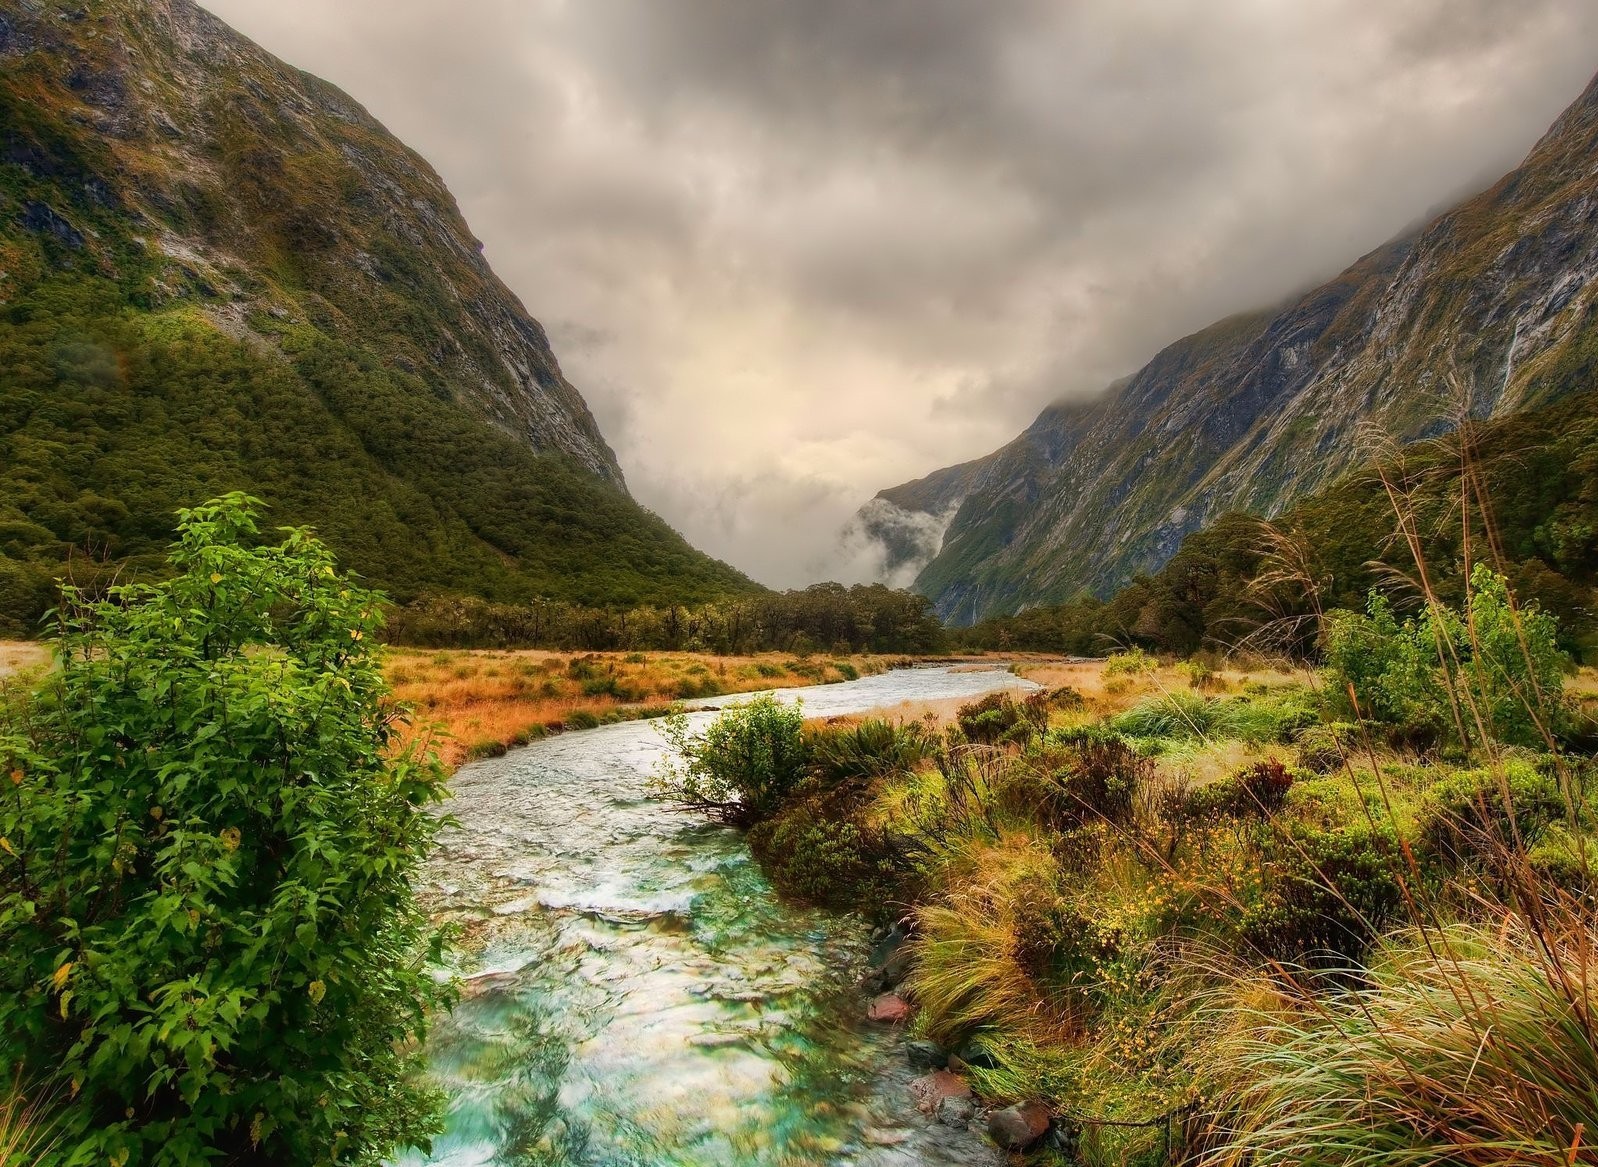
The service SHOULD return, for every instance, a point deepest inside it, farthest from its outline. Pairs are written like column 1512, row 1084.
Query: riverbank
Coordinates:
column 1120, row 898
column 475, row 703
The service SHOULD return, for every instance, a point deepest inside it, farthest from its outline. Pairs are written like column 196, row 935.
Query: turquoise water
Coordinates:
column 636, row 994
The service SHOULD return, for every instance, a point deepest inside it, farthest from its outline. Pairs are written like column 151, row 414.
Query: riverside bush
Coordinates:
column 1495, row 673
column 742, row 767
column 205, row 887
column 1326, row 893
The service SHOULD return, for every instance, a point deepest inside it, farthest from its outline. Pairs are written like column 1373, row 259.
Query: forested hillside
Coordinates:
column 1519, row 493
column 1483, row 312
column 219, row 273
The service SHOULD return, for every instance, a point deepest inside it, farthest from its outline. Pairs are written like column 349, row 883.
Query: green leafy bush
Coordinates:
column 1478, row 813
column 996, row 718
column 741, row 768
column 1326, row 892
column 1259, row 789
column 1497, row 672
column 205, row 891
column 819, row 853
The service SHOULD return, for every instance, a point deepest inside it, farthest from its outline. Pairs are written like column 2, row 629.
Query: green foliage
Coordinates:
column 999, row 717
column 871, row 749
column 864, row 618
column 1326, row 891
column 1182, row 715
column 1495, row 672
column 820, row 853
column 1132, row 663
column 742, row 766
column 1481, row 814
column 1259, row 789
column 209, row 842
column 1080, row 777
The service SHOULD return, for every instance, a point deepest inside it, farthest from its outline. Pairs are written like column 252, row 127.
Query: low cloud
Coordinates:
column 796, row 252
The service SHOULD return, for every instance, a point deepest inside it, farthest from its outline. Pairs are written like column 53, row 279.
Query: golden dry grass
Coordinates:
column 19, row 655
column 481, row 701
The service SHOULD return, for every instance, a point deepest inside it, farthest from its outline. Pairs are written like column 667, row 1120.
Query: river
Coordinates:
column 636, row 995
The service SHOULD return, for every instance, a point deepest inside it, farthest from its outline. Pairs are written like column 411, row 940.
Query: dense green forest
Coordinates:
column 825, row 617
column 1519, row 492
column 112, row 418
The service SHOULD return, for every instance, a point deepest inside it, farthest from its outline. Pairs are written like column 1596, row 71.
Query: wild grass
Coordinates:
column 1470, row 1045
column 26, row 1137
column 480, row 702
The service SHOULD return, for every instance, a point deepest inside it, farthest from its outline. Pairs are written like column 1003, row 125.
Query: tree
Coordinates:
column 206, row 853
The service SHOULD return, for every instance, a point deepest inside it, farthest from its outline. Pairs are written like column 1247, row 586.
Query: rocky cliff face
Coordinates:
column 1259, row 410
column 262, row 194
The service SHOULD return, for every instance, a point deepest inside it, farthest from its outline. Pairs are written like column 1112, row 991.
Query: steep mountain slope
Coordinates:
column 1258, row 410
column 219, row 272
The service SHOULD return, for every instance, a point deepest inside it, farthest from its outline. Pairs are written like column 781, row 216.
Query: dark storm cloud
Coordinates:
column 796, row 251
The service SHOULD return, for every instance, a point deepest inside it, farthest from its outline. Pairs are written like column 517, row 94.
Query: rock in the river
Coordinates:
column 1015, row 1128
column 925, row 1055
column 931, row 1090
column 890, row 1009
column 956, row 1112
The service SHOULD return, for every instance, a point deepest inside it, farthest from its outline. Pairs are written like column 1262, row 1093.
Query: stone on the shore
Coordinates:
column 956, row 1112
column 925, row 1055
column 974, row 1055
column 931, row 1090
column 889, row 1009
column 1015, row 1128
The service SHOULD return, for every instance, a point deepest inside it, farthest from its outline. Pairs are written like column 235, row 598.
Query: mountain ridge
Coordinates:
column 1262, row 408
column 219, row 272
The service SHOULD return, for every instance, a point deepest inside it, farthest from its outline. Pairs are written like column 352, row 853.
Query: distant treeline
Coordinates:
column 1241, row 582
column 822, row 618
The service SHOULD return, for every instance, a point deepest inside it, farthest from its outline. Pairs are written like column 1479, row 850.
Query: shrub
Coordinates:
column 1077, row 777
column 820, row 854
column 1325, row 893
column 209, row 842
column 1133, row 663
column 1480, row 814
column 739, row 769
column 995, row 718
column 1259, row 789
column 1499, row 672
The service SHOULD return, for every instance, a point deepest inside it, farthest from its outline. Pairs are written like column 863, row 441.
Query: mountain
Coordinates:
column 218, row 272
column 1261, row 409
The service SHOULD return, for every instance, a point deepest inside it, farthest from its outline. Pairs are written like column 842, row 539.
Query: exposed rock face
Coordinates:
column 250, row 182
column 1261, row 409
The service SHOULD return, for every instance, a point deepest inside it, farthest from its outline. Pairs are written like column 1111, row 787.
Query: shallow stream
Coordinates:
column 637, row 995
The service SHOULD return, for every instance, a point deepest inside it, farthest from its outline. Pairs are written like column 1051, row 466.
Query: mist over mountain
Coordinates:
column 220, row 273
column 1485, row 310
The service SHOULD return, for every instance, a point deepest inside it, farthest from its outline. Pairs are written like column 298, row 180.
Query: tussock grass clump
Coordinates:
column 1474, row 1046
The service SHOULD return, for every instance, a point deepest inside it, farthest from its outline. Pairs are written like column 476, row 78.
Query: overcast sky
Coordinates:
column 794, row 252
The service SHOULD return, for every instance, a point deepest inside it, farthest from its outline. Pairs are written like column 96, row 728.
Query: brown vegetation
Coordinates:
column 478, row 702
